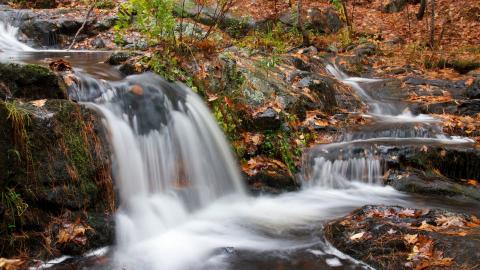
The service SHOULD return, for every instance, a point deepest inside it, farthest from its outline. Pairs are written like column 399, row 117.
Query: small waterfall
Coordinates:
column 339, row 174
column 171, row 159
column 9, row 41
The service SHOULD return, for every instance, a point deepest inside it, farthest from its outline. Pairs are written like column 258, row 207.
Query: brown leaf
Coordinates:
column 11, row 264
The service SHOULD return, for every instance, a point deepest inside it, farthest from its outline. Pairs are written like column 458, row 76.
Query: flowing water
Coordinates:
column 183, row 204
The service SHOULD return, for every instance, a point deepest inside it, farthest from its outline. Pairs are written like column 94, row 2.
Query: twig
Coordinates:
column 94, row 3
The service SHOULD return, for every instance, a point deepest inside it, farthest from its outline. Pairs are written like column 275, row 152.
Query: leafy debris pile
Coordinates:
column 392, row 237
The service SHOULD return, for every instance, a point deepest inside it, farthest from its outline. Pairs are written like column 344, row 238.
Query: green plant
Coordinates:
column 105, row 4
column 14, row 204
column 153, row 17
column 19, row 117
column 167, row 66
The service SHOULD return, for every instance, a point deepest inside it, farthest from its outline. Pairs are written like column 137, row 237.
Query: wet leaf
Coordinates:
column 39, row 103
column 411, row 238
column 357, row 236
column 11, row 264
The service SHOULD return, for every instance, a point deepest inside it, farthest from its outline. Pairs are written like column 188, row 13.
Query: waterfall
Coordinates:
column 9, row 41
column 183, row 203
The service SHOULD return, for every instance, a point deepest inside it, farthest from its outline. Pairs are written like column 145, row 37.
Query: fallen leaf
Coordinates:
column 39, row 103
column 411, row 238
column 11, row 264
column 357, row 236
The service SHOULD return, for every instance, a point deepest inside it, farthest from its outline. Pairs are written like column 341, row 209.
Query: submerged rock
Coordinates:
column 392, row 237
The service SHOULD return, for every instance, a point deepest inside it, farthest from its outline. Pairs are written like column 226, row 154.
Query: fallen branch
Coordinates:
column 94, row 3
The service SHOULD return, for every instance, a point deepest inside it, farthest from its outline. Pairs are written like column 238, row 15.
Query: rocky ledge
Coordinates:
column 56, row 188
column 392, row 237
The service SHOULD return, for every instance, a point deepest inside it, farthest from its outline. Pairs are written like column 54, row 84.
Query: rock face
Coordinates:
column 391, row 237
column 57, row 190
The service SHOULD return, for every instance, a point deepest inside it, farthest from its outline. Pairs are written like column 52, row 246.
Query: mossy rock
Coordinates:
column 61, row 164
column 30, row 82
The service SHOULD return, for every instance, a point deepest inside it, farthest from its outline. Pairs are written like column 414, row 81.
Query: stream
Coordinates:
column 183, row 203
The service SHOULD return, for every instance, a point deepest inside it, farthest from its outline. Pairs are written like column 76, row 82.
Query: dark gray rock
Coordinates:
column 267, row 120
column 98, row 43
column 473, row 91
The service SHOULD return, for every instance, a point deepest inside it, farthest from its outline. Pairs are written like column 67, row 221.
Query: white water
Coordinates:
column 9, row 41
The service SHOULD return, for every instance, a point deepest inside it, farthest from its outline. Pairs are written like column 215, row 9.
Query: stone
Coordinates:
column 473, row 91
column 31, row 82
column 98, row 43
column 268, row 119
column 325, row 20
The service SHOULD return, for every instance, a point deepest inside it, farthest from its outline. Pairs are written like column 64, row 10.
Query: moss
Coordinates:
column 32, row 82
column 75, row 141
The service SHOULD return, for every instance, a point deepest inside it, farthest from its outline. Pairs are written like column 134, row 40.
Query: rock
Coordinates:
column 365, row 49
column 324, row 20
column 57, row 167
column 118, row 57
column 392, row 237
column 473, row 91
column 267, row 175
column 469, row 107
column 31, row 82
column 268, row 119
column 392, row 6
column 234, row 24
column 55, row 27
column 98, row 43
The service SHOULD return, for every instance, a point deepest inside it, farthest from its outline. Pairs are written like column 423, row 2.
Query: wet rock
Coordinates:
column 55, row 27
column 324, row 20
column 473, row 91
column 98, row 43
column 420, row 182
column 57, row 162
column 269, row 176
column 31, row 82
column 469, row 107
column 392, row 237
column 118, row 58
column 267, row 120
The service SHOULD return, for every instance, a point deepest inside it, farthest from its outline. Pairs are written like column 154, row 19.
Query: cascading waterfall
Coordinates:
column 9, row 41
column 338, row 165
column 183, row 203
column 182, row 200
